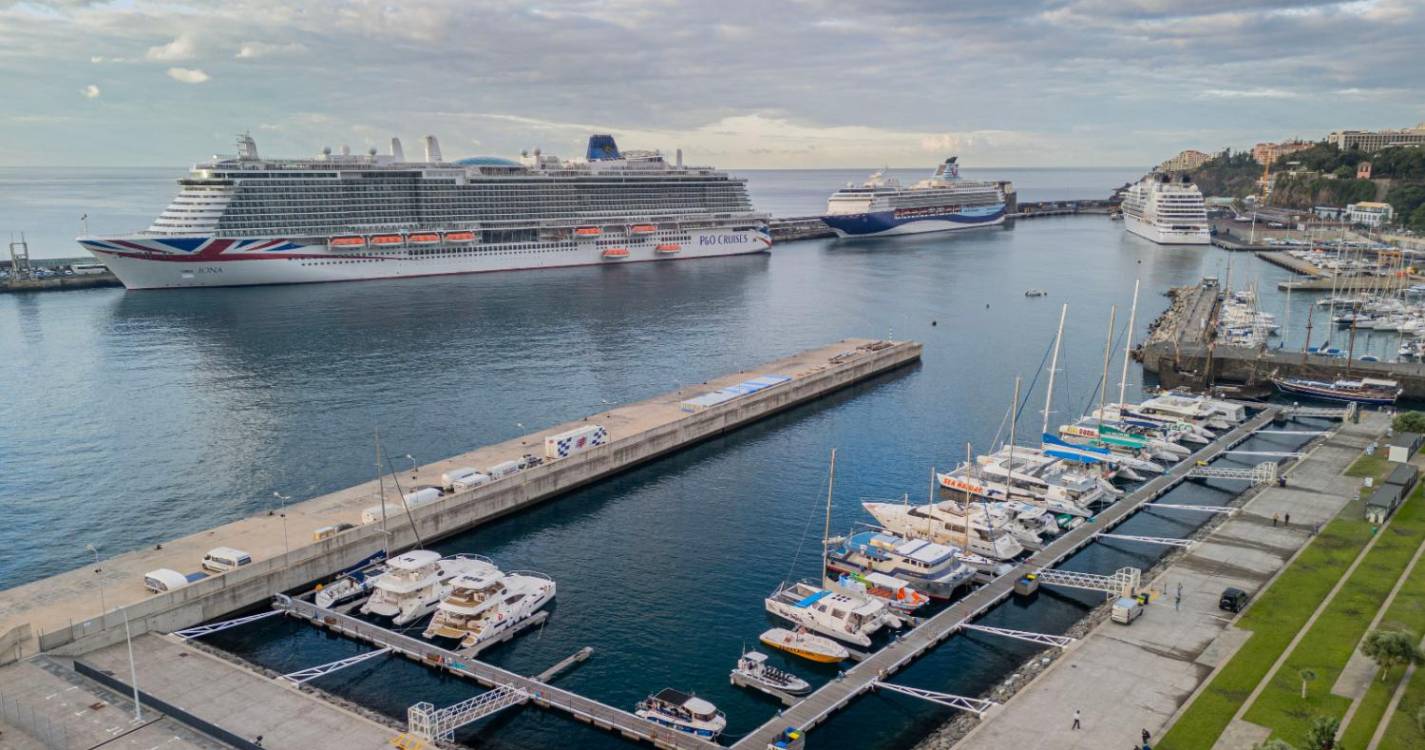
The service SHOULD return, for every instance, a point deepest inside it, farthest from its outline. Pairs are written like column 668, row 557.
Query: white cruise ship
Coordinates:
column 1166, row 209
column 939, row 203
column 245, row 220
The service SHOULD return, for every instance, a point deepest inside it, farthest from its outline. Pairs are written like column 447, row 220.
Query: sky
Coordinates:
column 735, row 83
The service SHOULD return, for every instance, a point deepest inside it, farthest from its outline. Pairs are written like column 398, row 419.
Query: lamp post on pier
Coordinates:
column 286, row 548
column 103, row 608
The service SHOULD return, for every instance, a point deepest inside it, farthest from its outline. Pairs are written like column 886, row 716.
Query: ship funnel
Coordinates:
column 247, row 147
column 679, row 154
column 397, row 154
column 432, row 149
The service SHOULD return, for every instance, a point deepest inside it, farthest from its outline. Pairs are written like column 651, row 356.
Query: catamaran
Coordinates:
column 416, row 581
column 486, row 605
column 848, row 618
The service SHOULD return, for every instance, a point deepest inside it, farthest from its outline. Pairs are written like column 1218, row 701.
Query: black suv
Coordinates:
column 1233, row 600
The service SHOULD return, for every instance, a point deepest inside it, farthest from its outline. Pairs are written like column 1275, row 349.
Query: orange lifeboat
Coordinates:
column 616, row 253
column 643, row 229
column 348, row 242
column 669, row 248
column 588, row 232
column 387, row 240
column 425, row 238
column 459, row 236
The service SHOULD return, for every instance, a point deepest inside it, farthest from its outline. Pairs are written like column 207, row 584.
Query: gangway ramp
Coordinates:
column 1043, row 639
column 426, row 721
column 1262, row 473
column 1124, row 582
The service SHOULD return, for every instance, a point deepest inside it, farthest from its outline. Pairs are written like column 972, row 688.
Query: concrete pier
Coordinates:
column 62, row 612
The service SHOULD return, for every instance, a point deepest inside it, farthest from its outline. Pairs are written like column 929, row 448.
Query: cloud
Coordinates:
column 254, row 50
column 181, row 48
column 1263, row 93
column 90, row 92
column 187, row 75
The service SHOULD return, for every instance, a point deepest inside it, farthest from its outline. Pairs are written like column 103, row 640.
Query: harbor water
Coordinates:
column 131, row 418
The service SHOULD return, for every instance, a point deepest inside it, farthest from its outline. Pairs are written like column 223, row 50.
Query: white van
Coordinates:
column 470, row 482
column 504, row 469
column 223, row 559
column 1126, row 610
column 449, row 479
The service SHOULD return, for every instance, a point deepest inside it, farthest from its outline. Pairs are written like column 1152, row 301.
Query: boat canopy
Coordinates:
column 813, row 599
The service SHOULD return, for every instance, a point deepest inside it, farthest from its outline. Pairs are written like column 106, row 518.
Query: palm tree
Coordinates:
column 1306, row 676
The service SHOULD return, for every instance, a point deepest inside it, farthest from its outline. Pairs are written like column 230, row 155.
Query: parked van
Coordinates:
column 327, row 532
column 164, row 579
column 470, row 482
column 449, row 478
column 1126, row 610
column 223, row 559
column 502, row 470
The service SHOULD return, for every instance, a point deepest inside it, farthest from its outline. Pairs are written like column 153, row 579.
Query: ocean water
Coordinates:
column 130, row 418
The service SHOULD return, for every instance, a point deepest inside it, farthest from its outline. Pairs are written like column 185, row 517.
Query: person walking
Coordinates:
column 1178, row 599
column 1286, row 520
column 1076, row 718
column 1146, row 737
column 1274, row 519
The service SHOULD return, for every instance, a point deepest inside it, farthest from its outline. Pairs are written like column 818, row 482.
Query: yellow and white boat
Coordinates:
column 806, row 645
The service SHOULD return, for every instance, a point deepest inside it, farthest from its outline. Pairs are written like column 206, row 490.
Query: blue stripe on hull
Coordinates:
column 884, row 222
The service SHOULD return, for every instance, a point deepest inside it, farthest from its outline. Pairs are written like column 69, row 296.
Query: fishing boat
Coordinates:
column 683, row 712
column 896, row 593
column 484, row 606
column 415, row 582
column 753, row 667
column 1373, row 391
column 931, row 568
column 805, row 644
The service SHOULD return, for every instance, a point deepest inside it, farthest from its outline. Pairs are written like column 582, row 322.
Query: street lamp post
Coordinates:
column 415, row 467
column 133, row 672
column 97, row 570
column 286, row 548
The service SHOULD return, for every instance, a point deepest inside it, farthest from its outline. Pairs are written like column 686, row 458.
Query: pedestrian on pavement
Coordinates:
column 1178, row 600
column 1274, row 519
column 1146, row 737
column 1076, row 718
column 1286, row 520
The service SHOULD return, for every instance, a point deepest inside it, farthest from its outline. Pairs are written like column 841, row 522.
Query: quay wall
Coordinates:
column 253, row 584
column 1199, row 366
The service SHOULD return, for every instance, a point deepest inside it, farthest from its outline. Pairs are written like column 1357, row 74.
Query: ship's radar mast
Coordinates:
column 247, row 147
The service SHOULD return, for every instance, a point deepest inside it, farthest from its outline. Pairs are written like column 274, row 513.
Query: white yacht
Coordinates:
column 946, row 523
column 839, row 615
column 1038, row 477
column 485, row 605
column 931, row 568
column 1166, row 209
column 415, row 582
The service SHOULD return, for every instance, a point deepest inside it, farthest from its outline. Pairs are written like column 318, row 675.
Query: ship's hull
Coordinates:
column 148, row 262
column 1322, row 393
column 886, row 223
column 1161, row 235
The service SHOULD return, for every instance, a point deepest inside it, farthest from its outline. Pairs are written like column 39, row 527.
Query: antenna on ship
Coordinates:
column 432, row 150
column 247, row 147
column 397, row 154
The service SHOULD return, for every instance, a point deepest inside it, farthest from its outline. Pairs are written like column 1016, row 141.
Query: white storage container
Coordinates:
column 504, row 469
column 421, row 497
column 470, row 481
column 449, row 478
column 578, row 440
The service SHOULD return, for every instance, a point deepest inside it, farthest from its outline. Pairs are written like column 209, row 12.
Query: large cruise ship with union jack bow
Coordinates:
column 243, row 220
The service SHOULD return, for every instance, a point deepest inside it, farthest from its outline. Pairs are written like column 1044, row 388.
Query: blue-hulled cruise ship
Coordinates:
column 940, row 203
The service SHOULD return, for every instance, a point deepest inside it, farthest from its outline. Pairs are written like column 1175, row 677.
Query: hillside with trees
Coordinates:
column 1228, row 174
column 1307, row 191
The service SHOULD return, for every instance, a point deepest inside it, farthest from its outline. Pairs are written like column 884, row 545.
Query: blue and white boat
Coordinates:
column 683, row 712
column 933, row 569
column 943, row 202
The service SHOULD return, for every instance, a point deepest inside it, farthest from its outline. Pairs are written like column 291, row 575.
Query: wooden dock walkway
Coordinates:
column 540, row 693
column 900, row 652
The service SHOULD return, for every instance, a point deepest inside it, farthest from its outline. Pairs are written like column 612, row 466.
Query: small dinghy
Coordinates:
column 753, row 667
column 806, row 645
column 1035, row 293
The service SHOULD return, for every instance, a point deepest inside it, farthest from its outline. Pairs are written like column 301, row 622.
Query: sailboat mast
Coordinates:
column 1107, row 354
column 826, row 532
column 1054, row 367
column 1013, row 421
column 381, row 495
column 1128, row 346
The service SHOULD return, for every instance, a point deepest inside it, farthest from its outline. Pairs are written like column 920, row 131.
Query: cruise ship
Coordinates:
column 1166, row 209
column 244, row 220
column 942, row 202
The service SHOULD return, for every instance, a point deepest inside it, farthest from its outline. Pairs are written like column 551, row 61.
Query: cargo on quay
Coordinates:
column 244, row 220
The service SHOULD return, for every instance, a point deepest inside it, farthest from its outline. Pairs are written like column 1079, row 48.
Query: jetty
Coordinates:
column 61, row 614
column 879, row 666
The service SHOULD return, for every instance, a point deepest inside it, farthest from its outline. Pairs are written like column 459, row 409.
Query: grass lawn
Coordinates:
column 1274, row 620
column 1337, row 632
column 1369, row 466
column 1403, row 732
column 1407, row 612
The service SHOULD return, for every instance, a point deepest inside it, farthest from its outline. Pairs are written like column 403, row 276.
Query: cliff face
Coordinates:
column 1304, row 192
